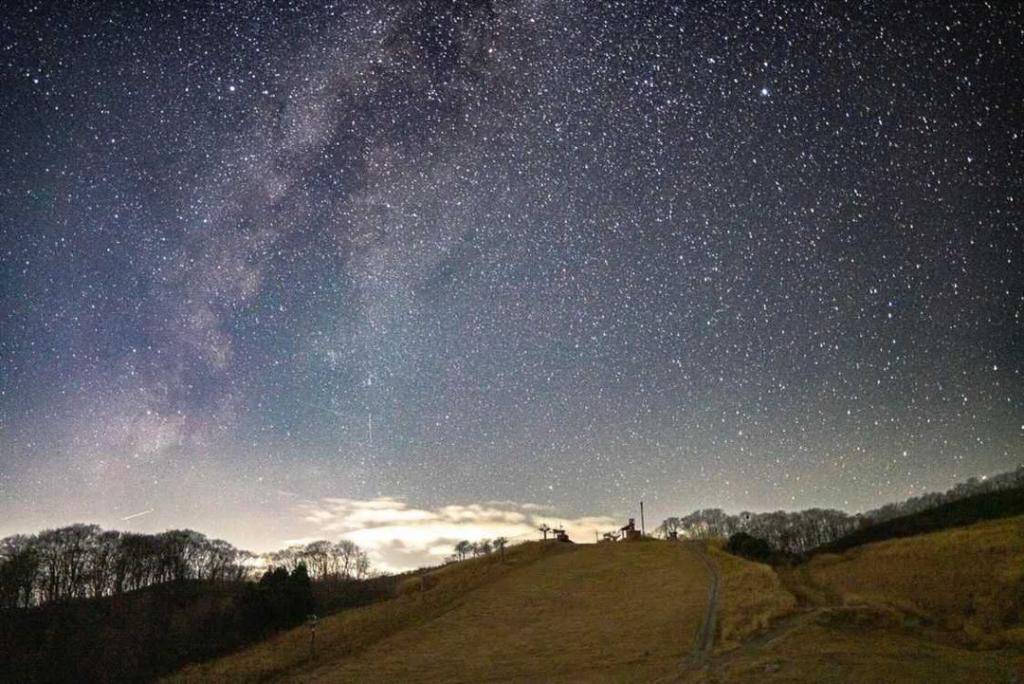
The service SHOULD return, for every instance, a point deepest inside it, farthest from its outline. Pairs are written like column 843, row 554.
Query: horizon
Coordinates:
column 266, row 269
column 400, row 537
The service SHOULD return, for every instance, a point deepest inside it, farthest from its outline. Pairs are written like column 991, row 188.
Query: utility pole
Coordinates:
column 642, row 531
column 312, row 636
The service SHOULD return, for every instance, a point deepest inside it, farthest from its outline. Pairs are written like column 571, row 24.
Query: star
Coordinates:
column 547, row 254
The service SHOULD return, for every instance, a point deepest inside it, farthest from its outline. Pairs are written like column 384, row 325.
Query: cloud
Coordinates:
column 399, row 536
column 537, row 507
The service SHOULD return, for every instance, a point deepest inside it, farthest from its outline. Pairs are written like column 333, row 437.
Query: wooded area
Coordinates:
column 84, row 561
column 801, row 531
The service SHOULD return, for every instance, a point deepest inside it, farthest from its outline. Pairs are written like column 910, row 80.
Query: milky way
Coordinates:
column 563, row 254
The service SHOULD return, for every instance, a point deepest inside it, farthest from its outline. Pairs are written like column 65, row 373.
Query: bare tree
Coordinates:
column 102, row 557
column 319, row 556
column 346, row 554
column 362, row 567
column 19, row 570
column 668, row 527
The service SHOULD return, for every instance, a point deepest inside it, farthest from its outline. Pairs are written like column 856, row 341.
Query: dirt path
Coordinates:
column 758, row 643
column 705, row 639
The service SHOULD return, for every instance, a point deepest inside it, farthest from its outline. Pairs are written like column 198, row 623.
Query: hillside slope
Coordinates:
column 551, row 612
column 966, row 582
column 941, row 607
column 946, row 606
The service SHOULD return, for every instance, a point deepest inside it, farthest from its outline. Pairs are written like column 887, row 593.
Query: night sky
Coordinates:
column 278, row 271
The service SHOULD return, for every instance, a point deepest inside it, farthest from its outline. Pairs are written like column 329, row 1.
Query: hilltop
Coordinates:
column 551, row 611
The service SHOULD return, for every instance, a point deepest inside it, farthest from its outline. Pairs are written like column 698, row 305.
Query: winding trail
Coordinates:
column 705, row 639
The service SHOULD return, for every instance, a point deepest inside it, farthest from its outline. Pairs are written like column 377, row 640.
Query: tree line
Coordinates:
column 801, row 531
column 484, row 547
column 793, row 532
column 84, row 561
column 323, row 559
column 971, row 487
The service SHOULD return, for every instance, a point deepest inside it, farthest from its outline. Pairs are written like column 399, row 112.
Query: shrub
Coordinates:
column 750, row 547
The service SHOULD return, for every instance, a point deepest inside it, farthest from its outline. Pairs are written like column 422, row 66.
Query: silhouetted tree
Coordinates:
column 500, row 543
column 80, row 561
column 667, row 527
column 102, row 555
column 19, row 570
column 346, row 555
column 299, row 590
column 742, row 544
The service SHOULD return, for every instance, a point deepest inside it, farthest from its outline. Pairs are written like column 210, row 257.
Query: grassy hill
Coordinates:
column 551, row 612
column 946, row 606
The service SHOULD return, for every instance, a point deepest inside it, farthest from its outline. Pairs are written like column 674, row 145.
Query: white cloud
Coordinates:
column 400, row 537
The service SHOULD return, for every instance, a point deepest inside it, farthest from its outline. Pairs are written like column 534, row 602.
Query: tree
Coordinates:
column 63, row 555
column 136, row 563
column 288, row 558
column 19, row 569
column 182, row 555
column 299, row 590
column 463, row 548
column 319, row 559
column 362, row 566
column 349, row 561
column 102, row 556
column 668, row 527
column 500, row 543
column 544, row 529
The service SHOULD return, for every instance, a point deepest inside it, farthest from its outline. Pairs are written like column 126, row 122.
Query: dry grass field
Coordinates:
column 942, row 607
column 858, row 645
column 967, row 582
column 550, row 612
column 751, row 598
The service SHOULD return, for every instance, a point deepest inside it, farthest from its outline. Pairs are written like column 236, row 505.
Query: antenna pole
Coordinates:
column 642, row 531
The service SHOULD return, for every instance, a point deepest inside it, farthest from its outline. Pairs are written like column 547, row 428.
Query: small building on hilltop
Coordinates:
column 557, row 533
column 628, row 532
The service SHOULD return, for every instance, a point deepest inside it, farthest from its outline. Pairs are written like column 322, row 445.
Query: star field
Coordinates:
column 749, row 255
